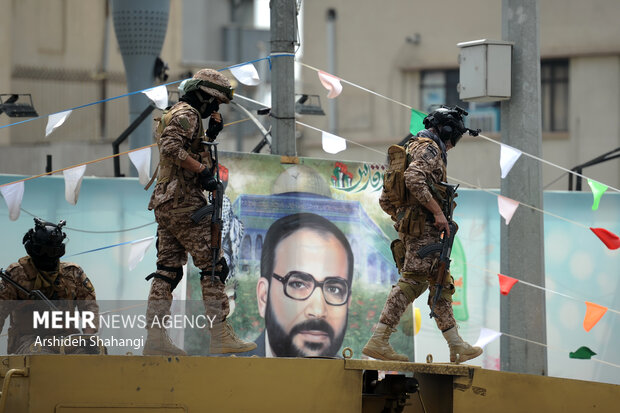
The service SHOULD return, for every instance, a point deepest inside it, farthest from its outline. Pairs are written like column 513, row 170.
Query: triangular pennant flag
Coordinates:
column 486, row 336
column 597, row 191
column 416, row 123
column 159, row 96
column 507, row 207
column 611, row 240
column 246, row 74
column 142, row 161
column 73, row 183
column 594, row 312
column 507, row 158
column 55, row 120
column 137, row 251
column 331, row 83
column 13, row 195
column 583, row 353
column 506, row 283
column 332, row 143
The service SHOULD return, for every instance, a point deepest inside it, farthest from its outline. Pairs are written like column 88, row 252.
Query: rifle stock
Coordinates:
column 34, row 294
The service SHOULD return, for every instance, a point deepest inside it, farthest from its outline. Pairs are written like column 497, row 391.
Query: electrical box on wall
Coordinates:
column 485, row 70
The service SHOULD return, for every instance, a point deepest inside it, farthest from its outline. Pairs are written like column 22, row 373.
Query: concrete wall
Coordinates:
column 373, row 51
column 61, row 58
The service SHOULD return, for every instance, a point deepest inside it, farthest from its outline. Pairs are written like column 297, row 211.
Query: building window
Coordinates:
column 554, row 95
column 439, row 87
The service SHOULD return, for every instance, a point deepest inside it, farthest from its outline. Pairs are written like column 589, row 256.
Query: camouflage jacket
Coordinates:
column 426, row 166
column 179, row 139
column 72, row 289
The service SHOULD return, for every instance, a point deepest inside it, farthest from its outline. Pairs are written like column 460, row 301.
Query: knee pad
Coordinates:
column 222, row 274
column 411, row 291
column 173, row 283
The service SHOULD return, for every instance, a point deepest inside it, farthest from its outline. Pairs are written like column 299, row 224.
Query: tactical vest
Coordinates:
column 167, row 169
column 411, row 215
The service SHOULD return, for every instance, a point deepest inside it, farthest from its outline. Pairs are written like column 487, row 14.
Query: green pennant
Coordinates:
column 597, row 190
column 583, row 353
column 416, row 124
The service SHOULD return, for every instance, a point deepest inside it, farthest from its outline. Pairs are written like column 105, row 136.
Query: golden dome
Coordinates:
column 301, row 178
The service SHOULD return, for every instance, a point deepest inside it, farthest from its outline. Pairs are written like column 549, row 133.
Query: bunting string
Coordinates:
column 559, row 349
column 100, row 159
column 494, row 273
column 482, row 136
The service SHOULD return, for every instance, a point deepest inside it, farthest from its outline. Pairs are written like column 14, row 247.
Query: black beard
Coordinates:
column 282, row 343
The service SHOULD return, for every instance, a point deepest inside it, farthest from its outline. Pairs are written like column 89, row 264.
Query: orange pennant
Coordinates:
column 594, row 312
column 506, row 283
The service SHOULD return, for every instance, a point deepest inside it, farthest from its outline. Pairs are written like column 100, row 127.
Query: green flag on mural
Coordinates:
column 583, row 353
column 597, row 190
column 416, row 124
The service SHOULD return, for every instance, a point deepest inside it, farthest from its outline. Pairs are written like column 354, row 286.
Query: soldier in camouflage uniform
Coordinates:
column 185, row 170
column 420, row 221
column 63, row 282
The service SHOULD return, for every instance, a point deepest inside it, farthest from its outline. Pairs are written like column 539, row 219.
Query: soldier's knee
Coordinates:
column 162, row 273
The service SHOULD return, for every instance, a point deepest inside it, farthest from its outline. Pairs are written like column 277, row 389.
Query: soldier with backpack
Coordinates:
column 184, row 171
column 412, row 196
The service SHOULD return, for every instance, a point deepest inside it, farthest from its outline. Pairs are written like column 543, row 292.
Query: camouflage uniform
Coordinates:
column 68, row 286
column 427, row 166
column 176, row 195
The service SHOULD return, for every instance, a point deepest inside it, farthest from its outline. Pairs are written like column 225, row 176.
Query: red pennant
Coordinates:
column 611, row 240
column 594, row 312
column 506, row 283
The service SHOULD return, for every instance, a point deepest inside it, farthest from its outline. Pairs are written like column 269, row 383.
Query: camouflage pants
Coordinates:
column 417, row 275
column 177, row 235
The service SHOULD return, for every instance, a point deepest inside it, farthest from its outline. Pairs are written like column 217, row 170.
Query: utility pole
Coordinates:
column 283, row 39
column 523, row 311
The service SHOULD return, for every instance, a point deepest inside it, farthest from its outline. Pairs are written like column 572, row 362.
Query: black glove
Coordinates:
column 207, row 180
column 215, row 127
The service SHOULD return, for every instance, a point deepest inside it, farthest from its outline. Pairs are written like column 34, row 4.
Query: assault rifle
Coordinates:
column 444, row 246
column 33, row 294
column 215, row 209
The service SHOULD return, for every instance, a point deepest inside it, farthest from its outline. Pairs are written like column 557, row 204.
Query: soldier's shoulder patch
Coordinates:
column 88, row 285
column 430, row 153
column 184, row 122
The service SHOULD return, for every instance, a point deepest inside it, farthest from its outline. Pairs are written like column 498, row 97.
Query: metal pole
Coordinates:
column 522, row 246
column 331, row 68
column 283, row 38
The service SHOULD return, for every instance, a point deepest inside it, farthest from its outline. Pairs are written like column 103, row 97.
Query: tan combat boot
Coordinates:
column 158, row 343
column 224, row 340
column 378, row 346
column 459, row 348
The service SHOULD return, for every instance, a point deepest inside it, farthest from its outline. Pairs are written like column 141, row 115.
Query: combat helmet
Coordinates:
column 214, row 83
column 449, row 123
column 45, row 240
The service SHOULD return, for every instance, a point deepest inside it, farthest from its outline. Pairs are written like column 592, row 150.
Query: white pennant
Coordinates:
column 159, row 96
column 13, row 195
column 138, row 249
column 142, row 161
column 486, row 336
column 331, row 83
column 507, row 207
column 507, row 158
column 246, row 74
column 332, row 143
column 55, row 120
column 73, row 183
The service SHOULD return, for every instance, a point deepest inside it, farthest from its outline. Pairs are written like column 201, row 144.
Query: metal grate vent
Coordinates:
column 140, row 32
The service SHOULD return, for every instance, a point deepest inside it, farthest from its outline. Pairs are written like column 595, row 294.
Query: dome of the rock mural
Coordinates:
column 301, row 178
